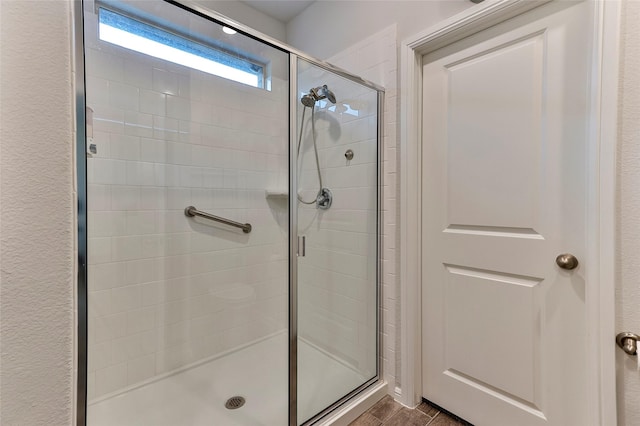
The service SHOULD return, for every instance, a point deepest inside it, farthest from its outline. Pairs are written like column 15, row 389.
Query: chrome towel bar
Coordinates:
column 192, row 211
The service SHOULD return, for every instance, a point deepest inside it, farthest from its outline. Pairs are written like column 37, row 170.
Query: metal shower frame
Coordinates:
column 81, row 169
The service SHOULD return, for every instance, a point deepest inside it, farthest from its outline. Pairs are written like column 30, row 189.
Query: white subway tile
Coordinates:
column 152, row 246
column 179, row 153
column 110, row 379
column 100, row 303
column 126, row 248
column 143, row 271
column 141, row 222
column 166, row 128
column 140, row 320
column 189, row 87
column 126, row 298
column 104, row 65
column 109, row 171
column 151, row 293
column 175, row 311
column 109, row 327
column 153, row 150
column 172, row 358
column 176, row 288
column 99, row 356
column 99, row 250
column 201, row 112
column 152, row 102
column 178, row 107
column 99, row 197
column 177, row 266
column 105, row 276
column 125, row 197
column 141, row 369
column 203, row 199
column 135, row 345
column 178, row 198
column 138, row 124
column 123, row 96
column 192, row 177
column 124, row 147
column 140, row 173
column 137, row 73
column 97, row 91
column 190, row 132
column 105, row 224
column 165, row 82
column 153, row 198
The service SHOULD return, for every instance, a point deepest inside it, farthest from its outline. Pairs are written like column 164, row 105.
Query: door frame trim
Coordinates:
column 601, row 189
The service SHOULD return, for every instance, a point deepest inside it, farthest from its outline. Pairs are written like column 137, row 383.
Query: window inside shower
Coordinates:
column 131, row 33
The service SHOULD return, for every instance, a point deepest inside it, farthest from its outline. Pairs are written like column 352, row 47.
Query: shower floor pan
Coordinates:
column 258, row 373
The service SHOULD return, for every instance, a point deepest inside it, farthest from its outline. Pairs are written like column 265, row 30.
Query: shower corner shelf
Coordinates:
column 276, row 193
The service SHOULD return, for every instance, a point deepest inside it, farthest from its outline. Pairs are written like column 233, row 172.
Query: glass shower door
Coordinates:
column 337, row 201
column 187, row 315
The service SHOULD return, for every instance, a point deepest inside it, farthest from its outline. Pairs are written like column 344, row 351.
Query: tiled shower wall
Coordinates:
column 166, row 291
column 375, row 59
column 337, row 277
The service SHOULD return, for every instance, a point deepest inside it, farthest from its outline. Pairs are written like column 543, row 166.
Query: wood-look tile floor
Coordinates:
column 387, row 412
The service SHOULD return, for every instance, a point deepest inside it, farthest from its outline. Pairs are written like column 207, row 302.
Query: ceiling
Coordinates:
column 282, row 10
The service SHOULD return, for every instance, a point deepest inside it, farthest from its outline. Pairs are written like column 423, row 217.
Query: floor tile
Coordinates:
column 366, row 420
column 384, row 408
column 428, row 409
column 408, row 417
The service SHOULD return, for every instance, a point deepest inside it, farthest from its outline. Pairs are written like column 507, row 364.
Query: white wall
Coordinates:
column 327, row 27
column 628, row 238
column 37, row 216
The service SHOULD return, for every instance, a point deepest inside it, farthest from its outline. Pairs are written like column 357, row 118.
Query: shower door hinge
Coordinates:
column 302, row 243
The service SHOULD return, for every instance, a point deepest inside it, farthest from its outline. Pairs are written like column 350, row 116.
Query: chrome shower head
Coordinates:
column 308, row 100
column 316, row 94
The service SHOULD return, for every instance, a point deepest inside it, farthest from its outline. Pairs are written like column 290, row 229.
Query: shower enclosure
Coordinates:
column 228, row 223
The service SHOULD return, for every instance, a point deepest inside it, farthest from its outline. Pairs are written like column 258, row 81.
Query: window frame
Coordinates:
column 199, row 46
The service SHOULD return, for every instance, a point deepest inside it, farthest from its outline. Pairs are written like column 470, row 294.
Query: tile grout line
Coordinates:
column 432, row 418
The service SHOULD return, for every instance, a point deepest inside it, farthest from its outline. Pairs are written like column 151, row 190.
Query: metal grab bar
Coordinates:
column 192, row 211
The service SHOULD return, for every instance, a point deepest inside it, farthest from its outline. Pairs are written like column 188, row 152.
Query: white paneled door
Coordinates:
column 505, row 122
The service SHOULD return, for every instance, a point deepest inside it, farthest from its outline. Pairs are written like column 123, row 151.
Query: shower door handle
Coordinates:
column 302, row 246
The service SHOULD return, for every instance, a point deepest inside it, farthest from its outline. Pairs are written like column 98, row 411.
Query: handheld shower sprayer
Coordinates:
column 324, row 198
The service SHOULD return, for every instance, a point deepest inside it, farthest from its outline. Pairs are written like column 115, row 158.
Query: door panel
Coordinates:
column 491, row 175
column 504, row 171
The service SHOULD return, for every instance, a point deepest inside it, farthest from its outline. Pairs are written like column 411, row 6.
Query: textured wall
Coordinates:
column 37, row 198
column 628, row 287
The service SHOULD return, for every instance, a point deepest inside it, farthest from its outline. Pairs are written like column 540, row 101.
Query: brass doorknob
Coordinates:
column 567, row 261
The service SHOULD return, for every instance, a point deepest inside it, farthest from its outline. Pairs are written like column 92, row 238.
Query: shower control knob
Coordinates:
column 348, row 155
